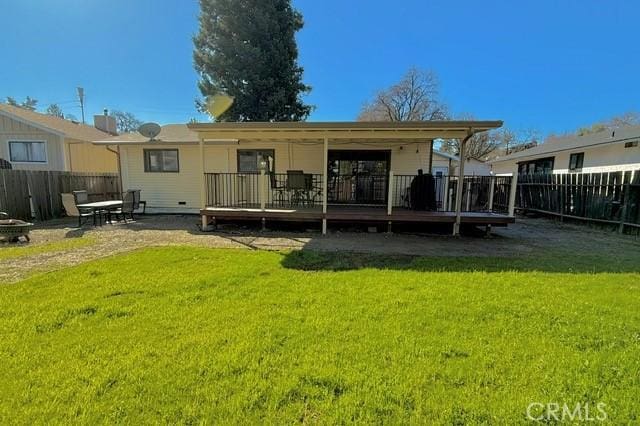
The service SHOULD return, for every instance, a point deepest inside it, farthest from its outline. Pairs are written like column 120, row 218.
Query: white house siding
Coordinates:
column 598, row 159
column 471, row 168
column 164, row 192
column 13, row 130
column 308, row 156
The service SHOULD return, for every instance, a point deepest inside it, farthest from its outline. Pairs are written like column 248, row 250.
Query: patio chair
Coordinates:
column 72, row 210
column 279, row 190
column 296, row 185
column 311, row 190
column 127, row 207
column 80, row 197
column 136, row 200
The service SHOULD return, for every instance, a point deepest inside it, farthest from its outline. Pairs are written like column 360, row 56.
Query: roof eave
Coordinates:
column 33, row 124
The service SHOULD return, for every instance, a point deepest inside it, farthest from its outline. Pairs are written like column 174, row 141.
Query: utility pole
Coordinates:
column 81, row 98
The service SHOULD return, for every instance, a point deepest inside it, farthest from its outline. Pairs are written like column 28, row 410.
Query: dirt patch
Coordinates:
column 526, row 236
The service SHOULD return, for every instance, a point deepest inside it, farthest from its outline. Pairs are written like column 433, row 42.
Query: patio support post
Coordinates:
column 203, row 194
column 203, row 185
column 262, row 190
column 463, row 143
column 492, row 189
column 390, row 194
column 512, row 194
column 325, row 183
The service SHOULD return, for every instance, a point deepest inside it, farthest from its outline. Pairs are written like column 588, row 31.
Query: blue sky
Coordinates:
column 548, row 65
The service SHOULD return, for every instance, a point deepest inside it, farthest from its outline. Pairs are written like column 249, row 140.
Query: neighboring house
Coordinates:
column 605, row 151
column 34, row 141
column 447, row 164
column 317, row 172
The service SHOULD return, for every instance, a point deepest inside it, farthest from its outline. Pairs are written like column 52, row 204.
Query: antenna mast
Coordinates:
column 81, row 98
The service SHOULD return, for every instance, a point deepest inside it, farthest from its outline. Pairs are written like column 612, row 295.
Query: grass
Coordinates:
column 10, row 252
column 191, row 335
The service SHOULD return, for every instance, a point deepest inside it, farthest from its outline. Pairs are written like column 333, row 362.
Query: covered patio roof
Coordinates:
column 318, row 131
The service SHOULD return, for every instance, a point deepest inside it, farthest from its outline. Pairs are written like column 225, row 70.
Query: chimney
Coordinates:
column 105, row 122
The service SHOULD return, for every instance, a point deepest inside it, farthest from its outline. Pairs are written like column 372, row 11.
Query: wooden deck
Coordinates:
column 352, row 214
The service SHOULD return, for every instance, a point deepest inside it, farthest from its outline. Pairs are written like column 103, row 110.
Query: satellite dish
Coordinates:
column 149, row 130
column 218, row 104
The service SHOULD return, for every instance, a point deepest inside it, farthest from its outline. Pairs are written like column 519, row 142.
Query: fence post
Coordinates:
column 627, row 187
column 512, row 194
column 390, row 194
column 492, row 188
column 262, row 192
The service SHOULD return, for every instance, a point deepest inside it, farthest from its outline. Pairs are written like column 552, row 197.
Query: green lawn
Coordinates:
column 13, row 251
column 191, row 335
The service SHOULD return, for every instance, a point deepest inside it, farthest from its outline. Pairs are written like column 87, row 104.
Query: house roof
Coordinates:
column 169, row 133
column 53, row 124
column 446, row 155
column 567, row 143
column 359, row 130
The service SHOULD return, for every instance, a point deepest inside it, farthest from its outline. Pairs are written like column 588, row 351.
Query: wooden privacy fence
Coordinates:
column 36, row 194
column 612, row 197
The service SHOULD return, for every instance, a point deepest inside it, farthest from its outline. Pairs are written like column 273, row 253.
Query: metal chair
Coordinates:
column 72, row 210
column 296, row 185
column 136, row 200
column 127, row 207
column 81, row 197
column 279, row 190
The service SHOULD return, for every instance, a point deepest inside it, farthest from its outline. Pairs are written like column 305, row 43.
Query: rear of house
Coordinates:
column 167, row 170
column 34, row 141
column 366, row 172
column 611, row 150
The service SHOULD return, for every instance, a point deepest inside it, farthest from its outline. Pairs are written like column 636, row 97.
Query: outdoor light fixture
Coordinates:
column 262, row 165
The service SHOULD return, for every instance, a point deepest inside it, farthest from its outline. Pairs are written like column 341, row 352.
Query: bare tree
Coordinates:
column 480, row 146
column 630, row 118
column 55, row 110
column 414, row 98
column 125, row 121
column 486, row 145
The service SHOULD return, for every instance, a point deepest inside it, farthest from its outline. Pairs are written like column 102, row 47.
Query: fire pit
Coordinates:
column 12, row 229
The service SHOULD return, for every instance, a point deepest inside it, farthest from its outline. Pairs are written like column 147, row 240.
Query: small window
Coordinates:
column 28, row 151
column 161, row 161
column 249, row 160
column 575, row 161
column 631, row 144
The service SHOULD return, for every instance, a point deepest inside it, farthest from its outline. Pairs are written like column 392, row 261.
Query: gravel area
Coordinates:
column 526, row 236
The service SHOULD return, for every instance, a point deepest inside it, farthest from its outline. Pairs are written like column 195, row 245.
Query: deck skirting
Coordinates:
column 353, row 215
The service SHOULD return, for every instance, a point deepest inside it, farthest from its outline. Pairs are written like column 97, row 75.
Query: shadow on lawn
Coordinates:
column 310, row 260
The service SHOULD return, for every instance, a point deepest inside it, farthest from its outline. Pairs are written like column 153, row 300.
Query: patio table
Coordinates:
column 101, row 205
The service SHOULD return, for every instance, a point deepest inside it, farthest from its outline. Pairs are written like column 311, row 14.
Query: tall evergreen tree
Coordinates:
column 247, row 49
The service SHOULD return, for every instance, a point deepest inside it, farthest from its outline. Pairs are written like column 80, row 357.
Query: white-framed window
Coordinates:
column 249, row 160
column 28, row 151
column 161, row 161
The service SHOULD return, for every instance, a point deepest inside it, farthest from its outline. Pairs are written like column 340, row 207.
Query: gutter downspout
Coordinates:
column 117, row 153
column 431, row 157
